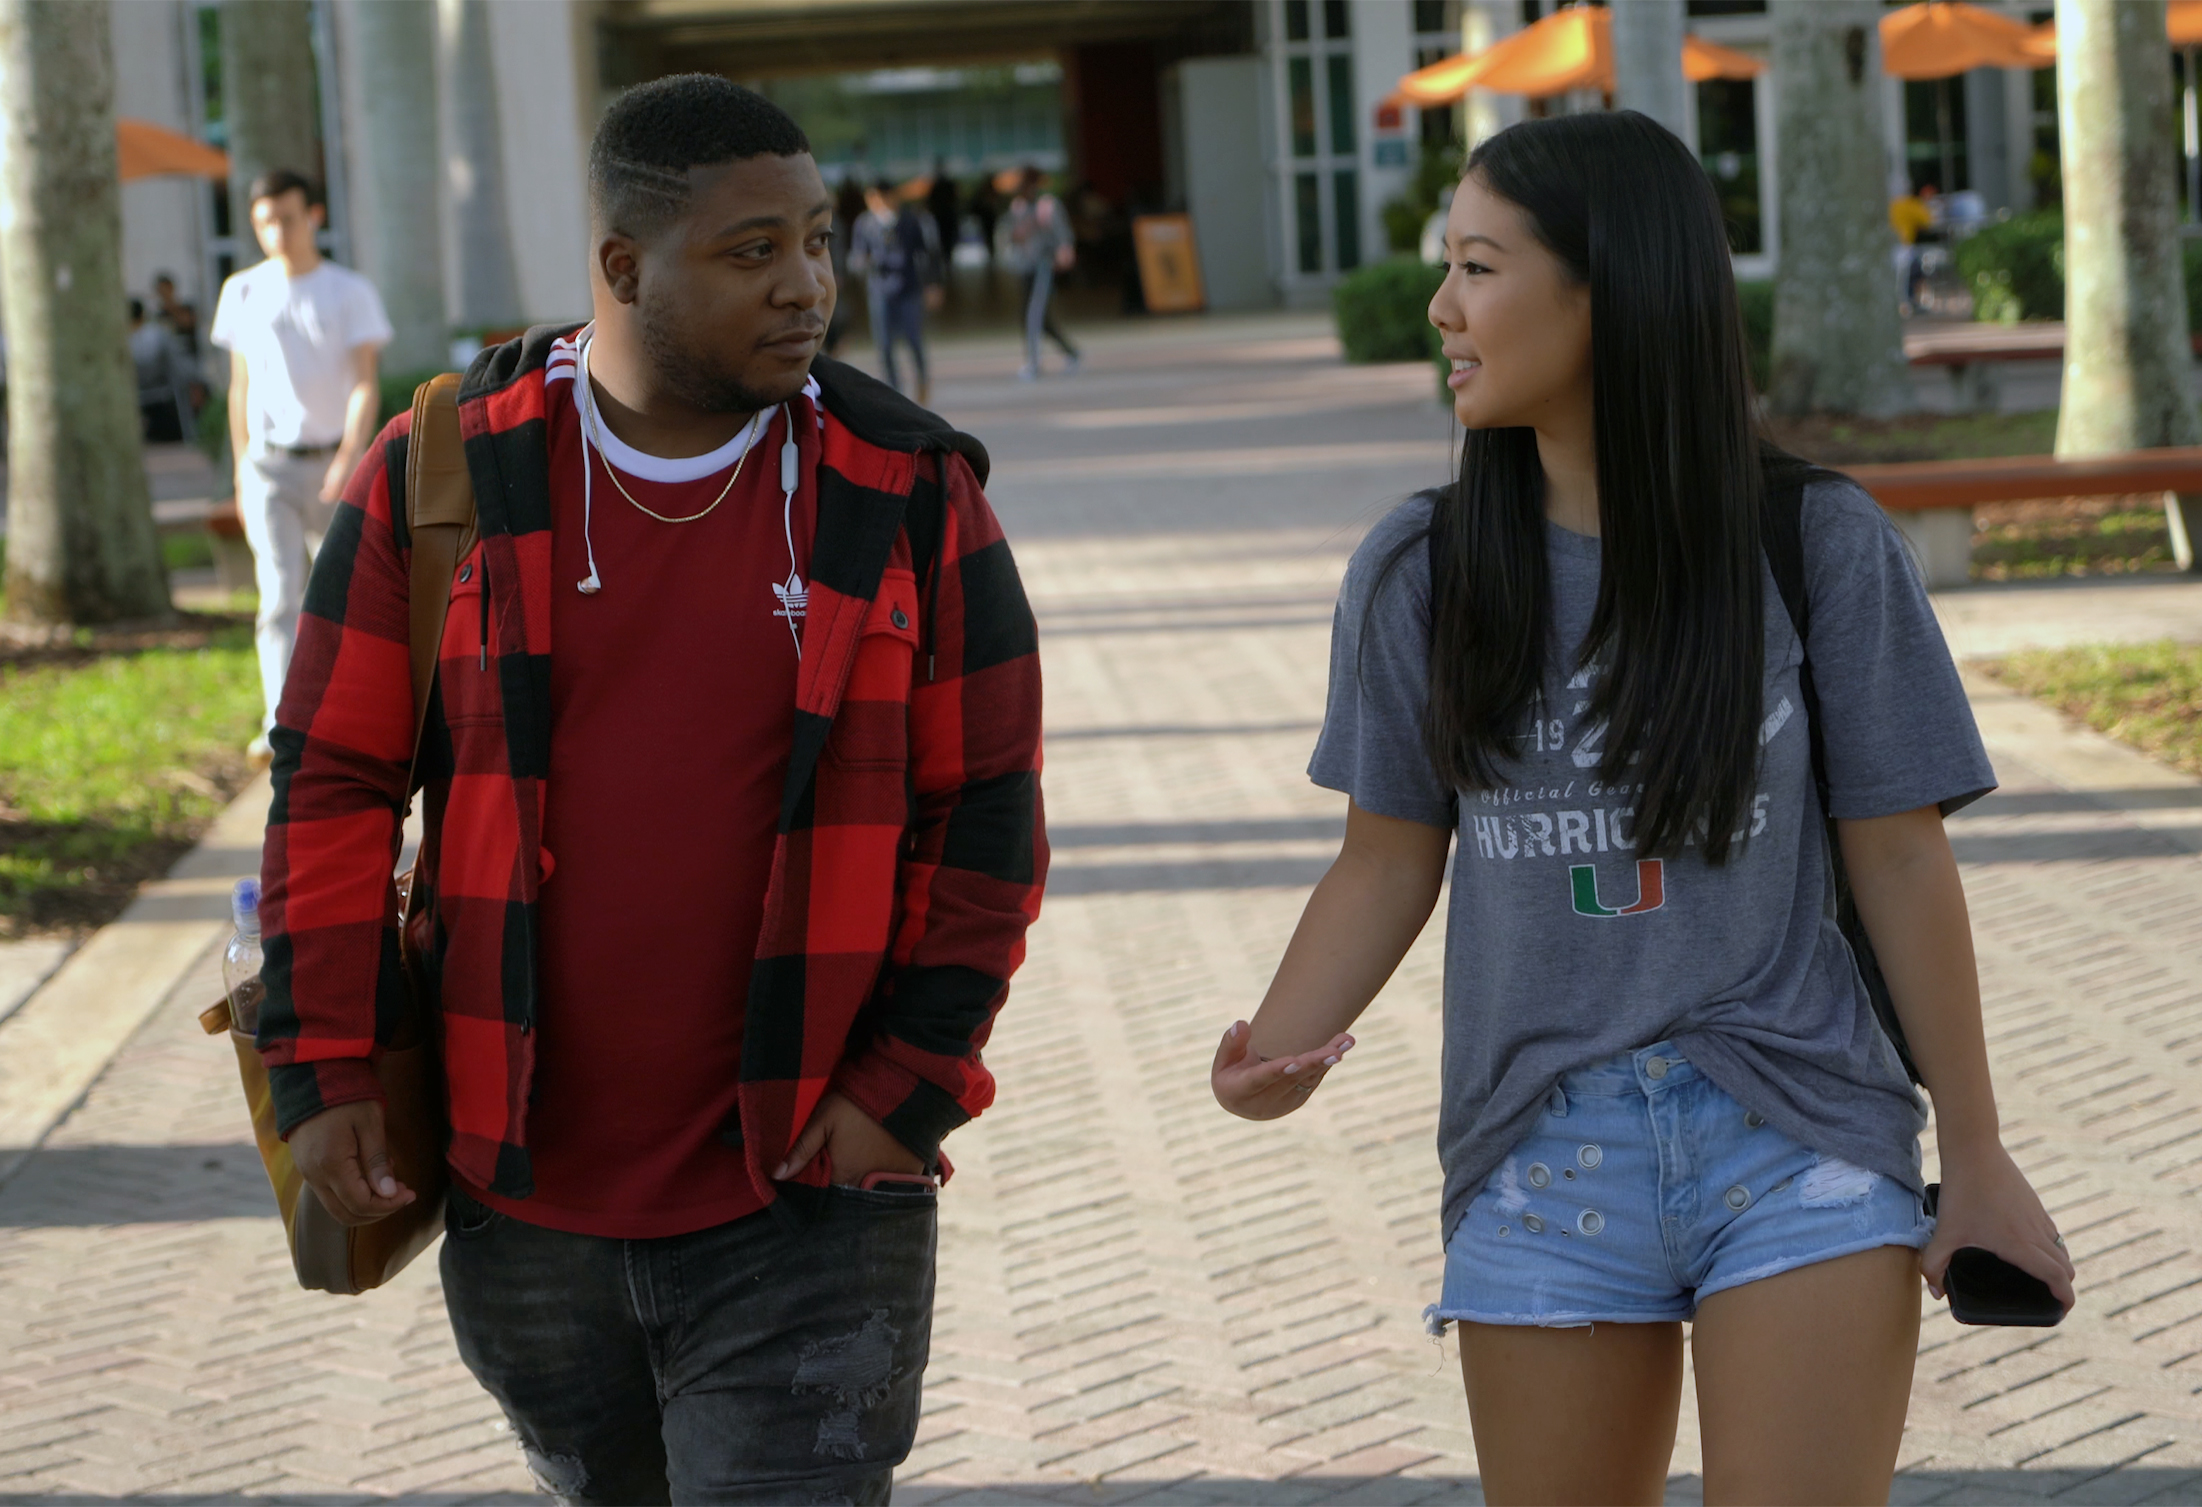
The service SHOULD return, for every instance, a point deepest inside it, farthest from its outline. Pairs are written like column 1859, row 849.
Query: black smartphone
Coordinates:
column 1983, row 1288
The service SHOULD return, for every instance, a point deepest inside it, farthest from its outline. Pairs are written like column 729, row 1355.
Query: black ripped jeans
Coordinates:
column 750, row 1362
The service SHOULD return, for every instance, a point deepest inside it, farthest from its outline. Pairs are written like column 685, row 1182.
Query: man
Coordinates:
column 303, row 335
column 168, row 384
column 181, row 318
column 1041, row 244
column 944, row 203
column 868, row 240
column 1910, row 217
column 908, row 272
column 733, row 836
column 986, row 208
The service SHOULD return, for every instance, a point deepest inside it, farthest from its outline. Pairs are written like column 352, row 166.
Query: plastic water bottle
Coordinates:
column 241, row 961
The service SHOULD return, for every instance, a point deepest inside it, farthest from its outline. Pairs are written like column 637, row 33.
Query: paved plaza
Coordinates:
column 1142, row 1298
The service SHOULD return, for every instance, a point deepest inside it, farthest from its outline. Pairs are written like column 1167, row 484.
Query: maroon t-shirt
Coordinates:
column 672, row 712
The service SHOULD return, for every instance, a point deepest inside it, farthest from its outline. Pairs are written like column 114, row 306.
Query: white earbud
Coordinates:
column 790, row 465
column 594, row 583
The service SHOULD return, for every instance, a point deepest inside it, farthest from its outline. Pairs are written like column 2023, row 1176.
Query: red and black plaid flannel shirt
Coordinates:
column 911, row 851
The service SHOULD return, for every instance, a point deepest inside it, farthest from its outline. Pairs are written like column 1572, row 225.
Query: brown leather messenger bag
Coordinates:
column 328, row 1256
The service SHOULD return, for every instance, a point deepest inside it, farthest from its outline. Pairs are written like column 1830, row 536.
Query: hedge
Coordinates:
column 2015, row 269
column 1383, row 314
column 1383, row 311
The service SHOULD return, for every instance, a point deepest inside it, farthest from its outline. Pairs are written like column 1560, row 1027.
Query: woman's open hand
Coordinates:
column 1254, row 1088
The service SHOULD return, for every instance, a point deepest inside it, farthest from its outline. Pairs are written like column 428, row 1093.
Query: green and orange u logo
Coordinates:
column 1651, row 889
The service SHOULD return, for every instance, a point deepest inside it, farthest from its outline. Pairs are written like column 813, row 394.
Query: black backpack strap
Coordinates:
column 1781, row 536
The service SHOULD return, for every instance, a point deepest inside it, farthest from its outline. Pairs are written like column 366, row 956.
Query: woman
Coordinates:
column 1666, row 1096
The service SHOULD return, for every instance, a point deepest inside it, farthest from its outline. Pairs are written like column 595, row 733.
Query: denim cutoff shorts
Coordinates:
column 1644, row 1188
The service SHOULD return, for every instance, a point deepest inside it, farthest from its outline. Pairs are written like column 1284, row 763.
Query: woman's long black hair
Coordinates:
column 1629, row 212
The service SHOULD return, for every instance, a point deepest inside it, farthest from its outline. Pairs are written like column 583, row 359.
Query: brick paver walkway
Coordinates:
column 1142, row 1298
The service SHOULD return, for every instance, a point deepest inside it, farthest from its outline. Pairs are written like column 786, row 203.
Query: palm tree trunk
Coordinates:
column 1647, row 61
column 400, row 234
column 81, row 543
column 2128, row 360
column 267, row 101
column 489, row 284
column 1838, row 344
column 2128, row 366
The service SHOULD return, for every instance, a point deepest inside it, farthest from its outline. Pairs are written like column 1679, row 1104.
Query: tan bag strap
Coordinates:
column 439, row 514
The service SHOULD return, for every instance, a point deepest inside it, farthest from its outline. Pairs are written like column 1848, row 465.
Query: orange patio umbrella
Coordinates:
column 1942, row 38
column 1571, row 49
column 147, row 151
column 1703, row 61
column 2182, row 24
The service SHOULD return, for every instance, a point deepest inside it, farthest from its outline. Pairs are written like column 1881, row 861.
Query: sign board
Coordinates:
column 1391, row 142
column 1169, row 263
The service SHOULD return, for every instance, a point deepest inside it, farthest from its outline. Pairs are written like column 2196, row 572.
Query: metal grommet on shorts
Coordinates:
column 1590, row 1222
column 1503, row 1231
column 1655, row 1067
column 1589, row 1156
column 898, row 618
column 1754, row 1119
column 1533, row 1224
column 1540, row 1176
column 1738, row 1197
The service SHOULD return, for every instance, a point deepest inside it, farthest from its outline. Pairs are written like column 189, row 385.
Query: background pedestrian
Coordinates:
column 1041, row 245
column 986, row 209
column 868, row 251
column 944, row 201
column 304, row 336
column 168, row 379
column 910, row 275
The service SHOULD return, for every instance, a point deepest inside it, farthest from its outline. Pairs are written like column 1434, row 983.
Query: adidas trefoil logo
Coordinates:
column 794, row 597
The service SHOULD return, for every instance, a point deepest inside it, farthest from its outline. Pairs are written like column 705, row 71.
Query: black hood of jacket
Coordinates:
column 873, row 411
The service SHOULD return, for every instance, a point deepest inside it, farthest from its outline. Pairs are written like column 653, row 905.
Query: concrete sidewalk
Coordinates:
column 1140, row 1297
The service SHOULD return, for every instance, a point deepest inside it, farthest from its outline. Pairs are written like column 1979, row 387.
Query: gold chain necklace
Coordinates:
column 613, row 471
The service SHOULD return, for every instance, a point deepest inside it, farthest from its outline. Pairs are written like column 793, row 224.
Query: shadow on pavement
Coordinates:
column 59, row 1186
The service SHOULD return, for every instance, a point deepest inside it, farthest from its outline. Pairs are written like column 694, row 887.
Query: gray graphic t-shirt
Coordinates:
column 1565, row 946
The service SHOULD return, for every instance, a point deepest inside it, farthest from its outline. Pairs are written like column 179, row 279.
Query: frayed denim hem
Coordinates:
column 1434, row 1320
column 1917, row 1240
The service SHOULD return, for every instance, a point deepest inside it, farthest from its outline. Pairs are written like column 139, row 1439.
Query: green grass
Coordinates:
column 189, row 550
column 1917, row 436
column 2116, row 539
column 110, row 767
column 2148, row 695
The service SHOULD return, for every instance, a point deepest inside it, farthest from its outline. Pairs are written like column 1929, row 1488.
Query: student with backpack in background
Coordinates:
column 1610, row 657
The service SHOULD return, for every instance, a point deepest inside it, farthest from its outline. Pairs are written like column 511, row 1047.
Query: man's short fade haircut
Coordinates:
column 654, row 133
column 278, row 181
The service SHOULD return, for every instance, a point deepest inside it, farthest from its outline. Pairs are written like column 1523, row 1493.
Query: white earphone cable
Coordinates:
column 790, row 469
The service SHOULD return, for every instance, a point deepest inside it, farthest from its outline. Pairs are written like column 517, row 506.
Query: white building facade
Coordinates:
column 1281, row 145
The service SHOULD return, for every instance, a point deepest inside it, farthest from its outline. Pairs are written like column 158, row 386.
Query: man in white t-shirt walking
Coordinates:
column 303, row 335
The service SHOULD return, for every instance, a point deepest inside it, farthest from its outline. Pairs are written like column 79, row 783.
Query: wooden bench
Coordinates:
column 1975, row 353
column 1933, row 501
